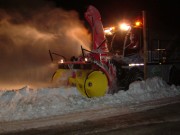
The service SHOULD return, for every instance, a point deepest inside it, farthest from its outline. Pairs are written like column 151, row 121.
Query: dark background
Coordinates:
column 162, row 15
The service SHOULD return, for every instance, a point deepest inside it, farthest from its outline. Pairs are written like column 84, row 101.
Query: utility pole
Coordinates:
column 145, row 43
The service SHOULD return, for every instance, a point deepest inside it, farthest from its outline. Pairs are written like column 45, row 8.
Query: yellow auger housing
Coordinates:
column 89, row 83
column 96, row 84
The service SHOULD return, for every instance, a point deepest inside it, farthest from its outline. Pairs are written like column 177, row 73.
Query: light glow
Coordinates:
column 86, row 59
column 109, row 30
column 124, row 27
column 61, row 61
column 136, row 64
column 138, row 23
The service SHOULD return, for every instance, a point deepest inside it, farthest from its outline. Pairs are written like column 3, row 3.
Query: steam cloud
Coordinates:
column 26, row 37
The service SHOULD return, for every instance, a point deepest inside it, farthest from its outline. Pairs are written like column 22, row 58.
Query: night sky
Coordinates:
column 161, row 13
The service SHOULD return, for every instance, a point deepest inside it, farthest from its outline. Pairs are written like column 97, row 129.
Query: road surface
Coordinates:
column 160, row 117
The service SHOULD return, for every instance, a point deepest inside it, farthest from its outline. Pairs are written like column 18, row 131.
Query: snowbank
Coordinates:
column 27, row 103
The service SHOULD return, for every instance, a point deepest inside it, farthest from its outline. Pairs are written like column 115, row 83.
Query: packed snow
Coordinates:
column 27, row 103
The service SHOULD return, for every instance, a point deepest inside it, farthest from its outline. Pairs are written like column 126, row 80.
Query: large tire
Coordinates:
column 134, row 74
column 174, row 75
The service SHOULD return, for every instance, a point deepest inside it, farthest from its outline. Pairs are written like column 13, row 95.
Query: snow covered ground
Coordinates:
column 27, row 103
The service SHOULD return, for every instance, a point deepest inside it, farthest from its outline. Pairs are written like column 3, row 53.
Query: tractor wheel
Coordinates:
column 174, row 75
column 134, row 74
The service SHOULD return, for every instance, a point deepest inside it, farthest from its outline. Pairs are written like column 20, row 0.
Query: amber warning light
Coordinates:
column 138, row 24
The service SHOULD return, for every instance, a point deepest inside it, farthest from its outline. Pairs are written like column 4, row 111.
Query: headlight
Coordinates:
column 85, row 59
column 61, row 61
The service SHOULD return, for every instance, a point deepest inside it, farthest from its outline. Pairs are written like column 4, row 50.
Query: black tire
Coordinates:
column 174, row 75
column 134, row 74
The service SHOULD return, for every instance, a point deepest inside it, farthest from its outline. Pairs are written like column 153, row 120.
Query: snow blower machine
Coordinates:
column 96, row 72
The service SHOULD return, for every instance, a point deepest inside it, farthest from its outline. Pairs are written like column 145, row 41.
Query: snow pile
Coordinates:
column 27, row 103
